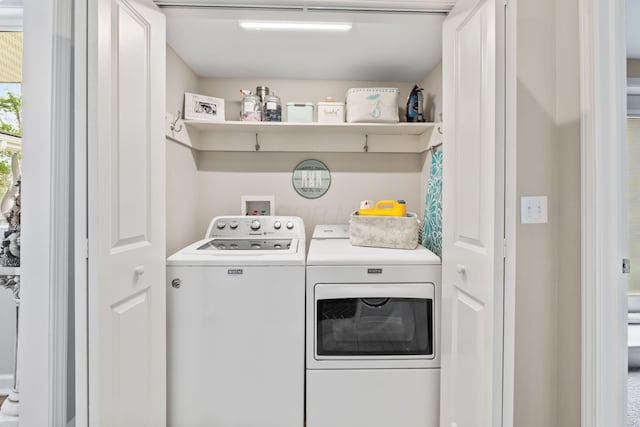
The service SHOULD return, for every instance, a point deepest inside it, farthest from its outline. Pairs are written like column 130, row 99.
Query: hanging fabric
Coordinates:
column 432, row 219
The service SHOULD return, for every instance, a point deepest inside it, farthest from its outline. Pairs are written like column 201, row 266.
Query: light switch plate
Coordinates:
column 533, row 210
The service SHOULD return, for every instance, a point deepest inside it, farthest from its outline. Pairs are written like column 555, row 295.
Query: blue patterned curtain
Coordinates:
column 432, row 219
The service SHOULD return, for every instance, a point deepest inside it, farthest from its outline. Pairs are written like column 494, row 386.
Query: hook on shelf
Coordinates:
column 174, row 124
column 440, row 130
column 434, row 147
column 257, row 146
column 366, row 143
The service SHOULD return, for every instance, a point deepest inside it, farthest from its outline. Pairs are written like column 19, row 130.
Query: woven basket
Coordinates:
column 394, row 232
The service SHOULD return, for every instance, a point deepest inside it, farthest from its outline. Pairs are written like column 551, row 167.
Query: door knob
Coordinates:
column 461, row 269
column 139, row 270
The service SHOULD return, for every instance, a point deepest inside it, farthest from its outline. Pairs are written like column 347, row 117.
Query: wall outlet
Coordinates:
column 533, row 210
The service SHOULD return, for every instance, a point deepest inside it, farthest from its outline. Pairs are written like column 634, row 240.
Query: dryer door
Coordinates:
column 361, row 321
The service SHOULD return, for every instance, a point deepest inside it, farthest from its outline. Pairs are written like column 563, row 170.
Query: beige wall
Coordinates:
column 633, row 197
column 536, row 394
column 203, row 185
column 354, row 176
column 224, row 177
column 548, row 255
column 567, row 239
column 432, row 86
column 182, row 177
column 633, row 68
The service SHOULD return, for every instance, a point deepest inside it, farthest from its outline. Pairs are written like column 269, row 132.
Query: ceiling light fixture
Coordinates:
column 296, row 26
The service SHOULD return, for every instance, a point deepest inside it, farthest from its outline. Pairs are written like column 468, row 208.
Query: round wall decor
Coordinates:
column 311, row 178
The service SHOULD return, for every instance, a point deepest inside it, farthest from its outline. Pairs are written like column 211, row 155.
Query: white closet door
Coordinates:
column 126, row 192
column 473, row 214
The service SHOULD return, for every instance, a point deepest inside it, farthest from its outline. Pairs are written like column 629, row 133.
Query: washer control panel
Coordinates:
column 239, row 226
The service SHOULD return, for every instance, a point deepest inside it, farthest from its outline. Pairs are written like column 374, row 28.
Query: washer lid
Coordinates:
column 204, row 252
column 341, row 252
column 331, row 231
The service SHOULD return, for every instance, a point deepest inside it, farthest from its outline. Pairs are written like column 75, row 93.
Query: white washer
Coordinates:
column 372, row 344
column 235, row 325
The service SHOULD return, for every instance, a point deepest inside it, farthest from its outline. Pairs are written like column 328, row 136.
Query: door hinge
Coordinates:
column 86, row 248
column 626, row 266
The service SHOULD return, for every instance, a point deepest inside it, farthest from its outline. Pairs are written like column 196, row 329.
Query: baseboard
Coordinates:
column 6, row 383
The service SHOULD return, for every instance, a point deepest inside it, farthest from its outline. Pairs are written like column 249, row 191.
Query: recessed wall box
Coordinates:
column 257, row 205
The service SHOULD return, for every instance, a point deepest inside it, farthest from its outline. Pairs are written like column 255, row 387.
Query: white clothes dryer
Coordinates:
column 235, row 325
column 372, row 341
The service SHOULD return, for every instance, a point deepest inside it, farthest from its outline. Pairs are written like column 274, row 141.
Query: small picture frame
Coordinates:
column 201, row 107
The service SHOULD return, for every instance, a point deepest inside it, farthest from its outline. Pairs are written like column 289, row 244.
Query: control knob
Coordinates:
column 289, row 225
column 255, row 225
column 221, row 225
column 233, row 225
column 277, row 225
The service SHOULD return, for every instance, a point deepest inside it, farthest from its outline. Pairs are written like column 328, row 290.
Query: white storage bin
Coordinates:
column 373, row 104
column 300, row 112
column 330, row 112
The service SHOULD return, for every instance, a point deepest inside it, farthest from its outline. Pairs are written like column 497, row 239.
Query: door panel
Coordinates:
column 468, row 116
column 127, row 345
column 468, row 358
column 132, row 118
column 473, row 219
column 130, row 322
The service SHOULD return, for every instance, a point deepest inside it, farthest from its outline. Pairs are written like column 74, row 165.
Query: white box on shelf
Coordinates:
column 372, row 104
column 330, row 112
column 300, row 112
column 257, row 205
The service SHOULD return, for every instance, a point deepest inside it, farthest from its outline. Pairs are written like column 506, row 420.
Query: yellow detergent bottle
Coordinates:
column 385, row 208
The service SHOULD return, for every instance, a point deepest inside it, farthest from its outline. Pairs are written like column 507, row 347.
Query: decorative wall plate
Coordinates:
column 311, row 178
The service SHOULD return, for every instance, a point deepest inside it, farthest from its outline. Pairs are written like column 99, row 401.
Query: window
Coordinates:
column 10, row 109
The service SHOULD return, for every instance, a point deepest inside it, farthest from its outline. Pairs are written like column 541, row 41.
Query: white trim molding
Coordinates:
column 604, row 348
column 511, row 215
column 80, row 215
column 60, row 188
column 46, row 178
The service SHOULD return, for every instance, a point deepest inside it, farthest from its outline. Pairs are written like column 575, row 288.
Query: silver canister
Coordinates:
column 262, row 91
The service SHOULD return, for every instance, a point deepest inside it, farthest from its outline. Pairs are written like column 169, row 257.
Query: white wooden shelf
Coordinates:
column 304, row 137
column 357, row 128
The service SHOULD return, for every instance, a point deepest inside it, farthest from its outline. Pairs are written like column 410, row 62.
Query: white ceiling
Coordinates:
column 633, row 29
column 381, row 46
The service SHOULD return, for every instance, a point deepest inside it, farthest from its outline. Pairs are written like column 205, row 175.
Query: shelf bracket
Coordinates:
column 257, row 146
column 366, row 143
